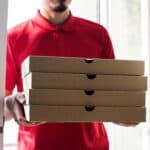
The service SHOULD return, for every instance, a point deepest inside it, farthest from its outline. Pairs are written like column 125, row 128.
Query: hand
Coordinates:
column 15, row 109
column 127, row 124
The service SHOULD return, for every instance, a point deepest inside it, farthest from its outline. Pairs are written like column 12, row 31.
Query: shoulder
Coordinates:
column 86, row 24
column 19, row 29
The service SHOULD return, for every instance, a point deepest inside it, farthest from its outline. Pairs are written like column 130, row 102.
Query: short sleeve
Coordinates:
column 108, row 51
column 11, row 68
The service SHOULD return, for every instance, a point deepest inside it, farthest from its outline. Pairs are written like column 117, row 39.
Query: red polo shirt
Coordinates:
column 75, row 38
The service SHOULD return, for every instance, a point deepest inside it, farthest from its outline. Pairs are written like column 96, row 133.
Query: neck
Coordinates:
column 54, row 17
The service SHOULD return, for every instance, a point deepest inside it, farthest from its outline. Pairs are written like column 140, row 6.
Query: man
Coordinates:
column 54, row 32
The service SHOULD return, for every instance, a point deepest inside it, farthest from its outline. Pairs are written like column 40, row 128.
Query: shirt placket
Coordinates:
column 56, row 40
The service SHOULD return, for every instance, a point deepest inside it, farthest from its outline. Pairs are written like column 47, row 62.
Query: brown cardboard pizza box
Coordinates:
column 62, row 97
column 82, row 65
column 37, row 80
column 86, row 113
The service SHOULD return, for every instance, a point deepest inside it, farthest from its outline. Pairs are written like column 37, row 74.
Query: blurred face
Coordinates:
column 57, row 5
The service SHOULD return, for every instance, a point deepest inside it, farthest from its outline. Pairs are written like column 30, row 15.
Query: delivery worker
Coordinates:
column 54, row 31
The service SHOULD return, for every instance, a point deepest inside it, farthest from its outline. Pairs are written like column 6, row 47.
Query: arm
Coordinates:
column 13, row 107
column 11, row 77
column 127, row 124
column 13, row 104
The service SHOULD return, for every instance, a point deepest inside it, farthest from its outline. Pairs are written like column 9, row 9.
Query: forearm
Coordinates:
column 126, row 124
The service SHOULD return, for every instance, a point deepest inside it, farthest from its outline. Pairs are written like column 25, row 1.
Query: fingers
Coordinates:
column 24, row 122
column 127, row 124
column 20, row 116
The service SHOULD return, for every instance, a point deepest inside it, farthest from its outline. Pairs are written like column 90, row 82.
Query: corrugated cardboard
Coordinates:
column 60, row 97
column 38, row 80
column 82, row 65
column 79, row 114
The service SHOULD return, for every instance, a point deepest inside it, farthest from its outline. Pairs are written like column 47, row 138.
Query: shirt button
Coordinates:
column 55, row 34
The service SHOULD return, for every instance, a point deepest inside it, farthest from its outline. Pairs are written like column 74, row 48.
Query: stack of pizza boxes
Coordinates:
column 60, row 89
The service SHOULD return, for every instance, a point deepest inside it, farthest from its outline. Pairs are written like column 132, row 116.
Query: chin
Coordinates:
column 60, row 8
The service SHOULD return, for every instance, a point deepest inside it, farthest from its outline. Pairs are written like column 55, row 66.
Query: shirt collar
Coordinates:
column 44, row 23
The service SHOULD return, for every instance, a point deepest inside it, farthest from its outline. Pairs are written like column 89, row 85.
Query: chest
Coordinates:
column 58, row 43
